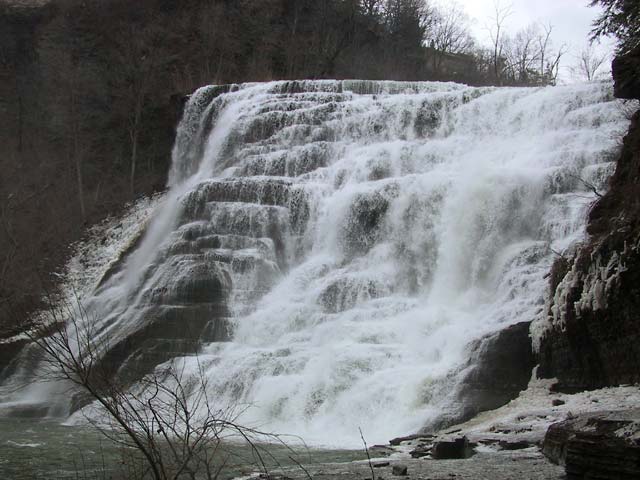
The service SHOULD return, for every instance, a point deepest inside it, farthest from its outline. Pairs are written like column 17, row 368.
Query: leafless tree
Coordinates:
column 549, row 58
column 167, row 419
column 522, row 53
column 588, row 64
column 139, row 57
column 449, row 32
column 10, row 244
column 529, row 57
column 73, row 84
column 553, row 65
column 496, row 29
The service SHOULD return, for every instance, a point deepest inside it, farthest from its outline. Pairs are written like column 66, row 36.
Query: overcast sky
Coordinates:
column 571, row 20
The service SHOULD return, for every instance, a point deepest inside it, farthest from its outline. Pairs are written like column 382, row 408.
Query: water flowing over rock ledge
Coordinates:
column 337, row 250
column 593, row 335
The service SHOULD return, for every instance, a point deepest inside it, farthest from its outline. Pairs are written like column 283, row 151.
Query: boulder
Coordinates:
column 604, row 445
column 457, row 448
column 418, row 436
column 626, row 74
column 364, row 223
column 399, row 470
column 502, row 365
column 498, row 369
column 9, row 350
column 421, row 451
column 517, row 445
column 345, row 293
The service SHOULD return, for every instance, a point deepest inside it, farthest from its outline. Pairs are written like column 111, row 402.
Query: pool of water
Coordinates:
column 46, row 449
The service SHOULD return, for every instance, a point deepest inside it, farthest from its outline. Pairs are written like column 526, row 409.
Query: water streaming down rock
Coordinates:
column 336, row 245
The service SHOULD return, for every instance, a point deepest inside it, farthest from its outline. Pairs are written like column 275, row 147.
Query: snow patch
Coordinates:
column 529, row 416
column 93, row 256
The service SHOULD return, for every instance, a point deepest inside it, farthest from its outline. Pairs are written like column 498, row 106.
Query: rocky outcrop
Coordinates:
column 448, row 449
column 25, row 9
column 9, row 349
column 625, row 69
column 502, row 365
column 593, row 334
column 498, row 369
column 605, row 445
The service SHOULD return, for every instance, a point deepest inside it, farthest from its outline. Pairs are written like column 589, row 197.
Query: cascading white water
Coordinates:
column 365, row 232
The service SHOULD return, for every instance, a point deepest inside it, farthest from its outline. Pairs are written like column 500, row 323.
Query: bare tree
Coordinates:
column 543, row 40
column 548, row 57
column 529, row 57
column 553, row 66
column 167, row 419
column 449, row 32
column 522, row 54
column 588, row 64
column 9, row 244
column 137, row 53
column 496, row 29
column 74, row 82
column 76, row 150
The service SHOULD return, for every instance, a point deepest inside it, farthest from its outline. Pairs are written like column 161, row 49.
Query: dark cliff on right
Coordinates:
column 592, row 339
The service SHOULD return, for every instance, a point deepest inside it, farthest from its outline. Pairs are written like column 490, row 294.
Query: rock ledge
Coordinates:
column 604, row 445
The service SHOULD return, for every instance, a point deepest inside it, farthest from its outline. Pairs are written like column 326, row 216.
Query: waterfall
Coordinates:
column 333, row 247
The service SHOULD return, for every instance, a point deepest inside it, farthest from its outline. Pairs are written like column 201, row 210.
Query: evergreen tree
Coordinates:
column 620, row 18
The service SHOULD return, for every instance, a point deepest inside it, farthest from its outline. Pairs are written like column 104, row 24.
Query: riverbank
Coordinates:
column 506, row 443
column 522, row 465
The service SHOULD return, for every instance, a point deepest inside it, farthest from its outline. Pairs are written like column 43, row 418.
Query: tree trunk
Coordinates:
column 20, row 124
column 77, row 157
column 78, row 163
column 134, row 133
column 134, row 156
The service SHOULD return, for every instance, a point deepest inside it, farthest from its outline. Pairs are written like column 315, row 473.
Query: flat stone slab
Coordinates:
column 603, row 445
column 482, row 466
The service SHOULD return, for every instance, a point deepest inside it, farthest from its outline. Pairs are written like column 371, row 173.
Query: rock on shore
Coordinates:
column 603, row 445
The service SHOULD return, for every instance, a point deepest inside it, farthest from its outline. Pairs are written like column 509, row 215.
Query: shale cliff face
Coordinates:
column 593, row 338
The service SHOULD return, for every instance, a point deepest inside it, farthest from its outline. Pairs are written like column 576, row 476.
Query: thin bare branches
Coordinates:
column 366, row 449
column 588, row 185
column 168, row 418
column 588, row 64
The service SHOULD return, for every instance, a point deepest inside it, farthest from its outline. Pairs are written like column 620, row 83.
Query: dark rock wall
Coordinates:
column 595, row 311
column 625, row 71
column 502, row 365
column 498, row 369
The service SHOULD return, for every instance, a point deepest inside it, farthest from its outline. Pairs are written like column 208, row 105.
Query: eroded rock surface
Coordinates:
column 625, row 70
column 603, row 445
column 498, row 369
column 483, row 466
column 593, row 338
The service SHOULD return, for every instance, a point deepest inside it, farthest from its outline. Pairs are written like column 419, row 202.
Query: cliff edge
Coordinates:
column 592, row 339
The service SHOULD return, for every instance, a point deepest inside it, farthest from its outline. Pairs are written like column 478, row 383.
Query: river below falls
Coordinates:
column 45, row 449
